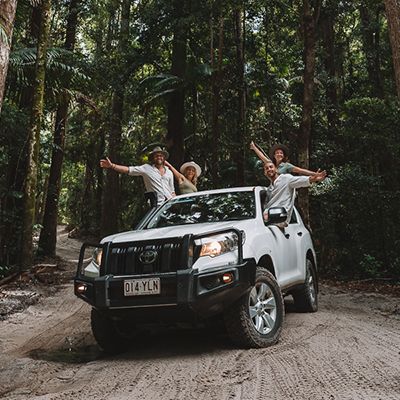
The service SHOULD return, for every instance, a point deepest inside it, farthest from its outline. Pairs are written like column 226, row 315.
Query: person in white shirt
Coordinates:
column 156, row 176
column 282, row 190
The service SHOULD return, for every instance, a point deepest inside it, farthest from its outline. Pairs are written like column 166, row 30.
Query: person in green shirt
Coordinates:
column 279, row 155
column 187, row 177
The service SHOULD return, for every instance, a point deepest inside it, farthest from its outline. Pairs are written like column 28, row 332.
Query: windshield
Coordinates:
column 205, row 208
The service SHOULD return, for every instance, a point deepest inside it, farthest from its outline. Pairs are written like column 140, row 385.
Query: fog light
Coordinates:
column 81, row 288
column 227, row 277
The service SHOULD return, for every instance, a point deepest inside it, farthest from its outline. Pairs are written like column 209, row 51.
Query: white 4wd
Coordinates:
column 207, row 254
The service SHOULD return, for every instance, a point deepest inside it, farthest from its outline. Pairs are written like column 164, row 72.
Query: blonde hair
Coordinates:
column 194, row 179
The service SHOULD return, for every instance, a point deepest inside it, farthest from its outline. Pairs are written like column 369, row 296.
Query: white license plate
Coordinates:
column 140, row 287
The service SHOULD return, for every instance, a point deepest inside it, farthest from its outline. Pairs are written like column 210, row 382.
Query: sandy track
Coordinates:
column 350, row 349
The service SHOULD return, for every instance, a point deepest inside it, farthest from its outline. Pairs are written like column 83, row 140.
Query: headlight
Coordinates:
column 216, row 245
column 96, row 258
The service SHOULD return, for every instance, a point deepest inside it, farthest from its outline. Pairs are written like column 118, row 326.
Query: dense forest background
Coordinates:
column 80, row 79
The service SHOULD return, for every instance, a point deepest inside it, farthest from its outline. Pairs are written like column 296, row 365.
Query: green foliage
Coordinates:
column 358, row 224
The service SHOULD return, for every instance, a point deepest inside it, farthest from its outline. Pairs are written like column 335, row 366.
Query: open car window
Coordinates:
column 214, row 207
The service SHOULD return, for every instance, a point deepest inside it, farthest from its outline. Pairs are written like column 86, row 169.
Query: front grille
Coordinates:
column 137, row 258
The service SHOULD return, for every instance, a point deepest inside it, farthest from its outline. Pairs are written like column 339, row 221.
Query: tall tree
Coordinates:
column 176, row 104
column 216, row 78
column 327, row 26
column 241, row 94
column 30, row 186
column 393, row 17
column 7, row 15
column 370, row 25
column 48, row 234
column 311, row 12
column 111, row 193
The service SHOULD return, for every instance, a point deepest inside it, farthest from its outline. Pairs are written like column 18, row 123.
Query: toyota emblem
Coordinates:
column 148, row 256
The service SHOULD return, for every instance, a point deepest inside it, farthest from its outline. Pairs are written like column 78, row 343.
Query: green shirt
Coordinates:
column 285, row 168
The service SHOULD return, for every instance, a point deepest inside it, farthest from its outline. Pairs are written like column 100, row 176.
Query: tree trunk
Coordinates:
column 7, row 15
column 111, row 193
column 370, row 33
column 176, row 104
column 216, row 95
column 328, row 38
column 393, row 18
column 238, row 154
column 48, row 235
column 310, row 19
column 34, row 136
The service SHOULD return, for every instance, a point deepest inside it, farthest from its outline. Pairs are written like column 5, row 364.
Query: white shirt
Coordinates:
column 163, row 185
column 282, row 192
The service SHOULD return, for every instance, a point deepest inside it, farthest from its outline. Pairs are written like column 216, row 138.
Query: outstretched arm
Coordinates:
column 303, row 171
column 259, row 153
column 178, row 176
column 107, row 164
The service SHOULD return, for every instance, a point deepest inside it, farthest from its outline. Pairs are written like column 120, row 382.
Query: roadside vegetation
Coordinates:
column 89, row 78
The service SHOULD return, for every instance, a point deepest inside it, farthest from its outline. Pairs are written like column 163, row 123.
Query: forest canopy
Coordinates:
column 85, row 79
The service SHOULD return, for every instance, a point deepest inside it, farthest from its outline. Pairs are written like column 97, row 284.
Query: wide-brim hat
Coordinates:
column 279, row 146
column 191, row 164
column 158, row 149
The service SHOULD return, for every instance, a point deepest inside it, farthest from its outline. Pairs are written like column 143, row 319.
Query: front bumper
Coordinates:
column 185, row 294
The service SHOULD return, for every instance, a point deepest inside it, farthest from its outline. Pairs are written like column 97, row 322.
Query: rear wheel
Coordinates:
column 113, row 336
column 255, row 320
column 306, row 297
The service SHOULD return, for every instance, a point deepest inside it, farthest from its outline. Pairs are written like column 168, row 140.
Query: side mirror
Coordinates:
column 276, row 215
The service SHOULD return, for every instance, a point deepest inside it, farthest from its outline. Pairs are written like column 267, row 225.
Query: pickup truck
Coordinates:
column 200, row 256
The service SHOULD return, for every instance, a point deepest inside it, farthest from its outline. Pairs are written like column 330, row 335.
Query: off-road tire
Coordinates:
column 108, row 333
column 306, row 297
column 243, row 329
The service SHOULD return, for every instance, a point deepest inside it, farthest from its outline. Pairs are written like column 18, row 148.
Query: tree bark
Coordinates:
column 111, row 193
column 48, row 234
column 7, row 15
column 216, row 79
column 34, row 136
column 238, row 154
column 393, row 17
column 310, row 19
column 371, row 33
column 328, row 40
column 176, row 104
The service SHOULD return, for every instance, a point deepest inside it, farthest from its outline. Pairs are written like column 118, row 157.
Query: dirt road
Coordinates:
column 350, row 349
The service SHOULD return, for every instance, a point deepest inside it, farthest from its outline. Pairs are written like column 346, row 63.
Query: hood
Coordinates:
column 176, row 231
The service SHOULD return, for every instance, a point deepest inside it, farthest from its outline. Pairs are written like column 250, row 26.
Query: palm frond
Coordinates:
column 157, row 86
column 62, row 68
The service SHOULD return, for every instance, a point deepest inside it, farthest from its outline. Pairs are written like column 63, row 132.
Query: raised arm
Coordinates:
column 107, row 164
column 259, row 153
column 178, row 176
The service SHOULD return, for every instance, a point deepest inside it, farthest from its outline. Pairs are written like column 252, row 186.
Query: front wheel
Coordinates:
column 306, row 297
column 111, row 335
column 256, row 319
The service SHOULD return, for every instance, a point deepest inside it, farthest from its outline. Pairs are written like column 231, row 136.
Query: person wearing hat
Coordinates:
column 187, row 177
column 157, row 176
column 279, row 155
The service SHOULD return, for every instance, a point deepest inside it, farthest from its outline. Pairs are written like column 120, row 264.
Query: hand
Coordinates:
column 252, row 145
column 319, row 176
column 167, row 164
column 106, row 163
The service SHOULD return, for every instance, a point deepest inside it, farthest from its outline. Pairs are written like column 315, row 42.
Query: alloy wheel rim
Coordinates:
column 262, row 308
